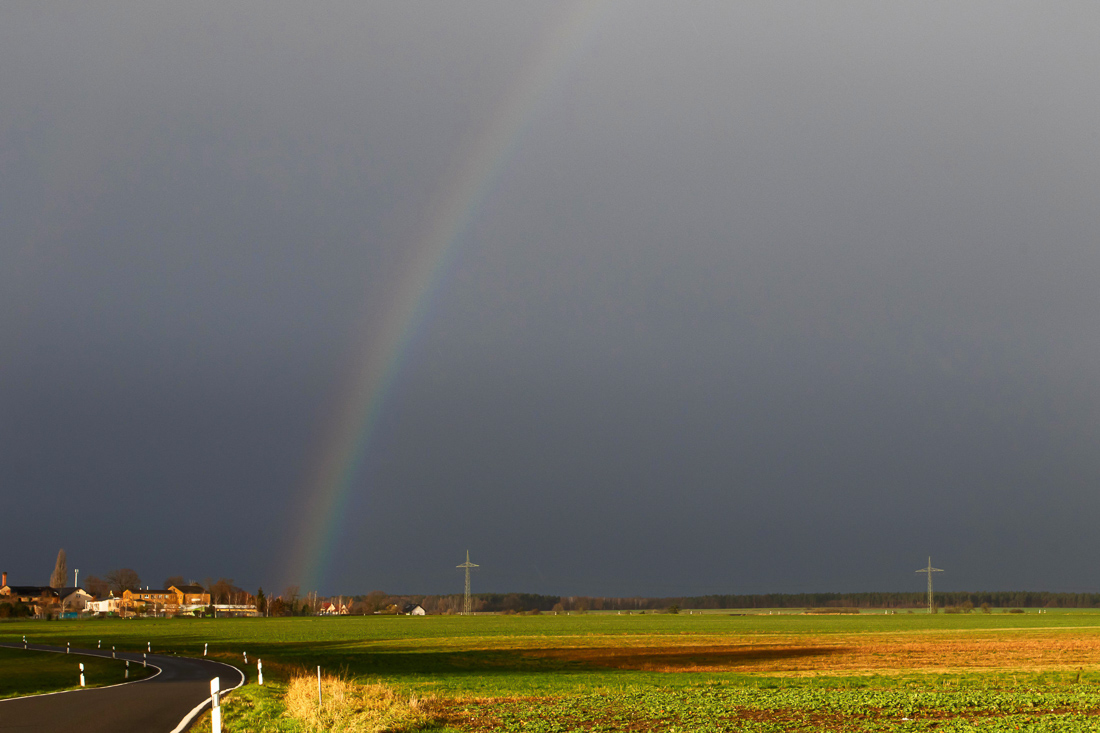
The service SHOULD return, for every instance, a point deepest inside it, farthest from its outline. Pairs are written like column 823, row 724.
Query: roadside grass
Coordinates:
column 346, row 707
column 252, row 709
column 26, row 672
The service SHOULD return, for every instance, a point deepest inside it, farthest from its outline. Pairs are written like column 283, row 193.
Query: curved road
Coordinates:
column 158, row 704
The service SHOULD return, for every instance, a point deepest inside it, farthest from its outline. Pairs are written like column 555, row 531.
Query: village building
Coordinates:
column 154, row 601
column 414, row 609
column 73, row 600
column 42, row 598
column 191, row 595
column 108, row 605
column 222, row 610
column 166, row 601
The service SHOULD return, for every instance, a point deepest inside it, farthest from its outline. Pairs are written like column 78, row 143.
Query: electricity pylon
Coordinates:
column 928, row 570
column 466, row 599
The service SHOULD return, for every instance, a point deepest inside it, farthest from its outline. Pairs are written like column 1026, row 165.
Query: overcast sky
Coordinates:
column 745, row 297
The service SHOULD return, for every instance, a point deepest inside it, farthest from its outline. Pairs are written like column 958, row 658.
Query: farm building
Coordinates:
column 42, row 598
column 414, row 609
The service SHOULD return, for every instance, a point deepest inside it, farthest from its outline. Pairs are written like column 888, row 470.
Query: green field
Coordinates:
column 708, row 672
column 30, row 672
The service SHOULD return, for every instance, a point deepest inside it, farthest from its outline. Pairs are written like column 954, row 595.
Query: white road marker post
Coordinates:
column 259, row 671
column 99, row 644
column 127, row 669
column 205, row 647
column 246, row 657
column 66, row 647
column 148, row 646
column 145, row 659
column 215, row 707
column 82, row 674
column 318, row 685
column 112, row 651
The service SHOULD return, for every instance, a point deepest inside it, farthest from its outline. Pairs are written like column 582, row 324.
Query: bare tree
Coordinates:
column 221, row 591
column 97, row 586
column 60, row 571
column 290, row 597
column 375, row 601
column 123, row 580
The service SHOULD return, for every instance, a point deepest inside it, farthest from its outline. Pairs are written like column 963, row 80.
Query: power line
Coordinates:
column 466, row 609
column 929, row 570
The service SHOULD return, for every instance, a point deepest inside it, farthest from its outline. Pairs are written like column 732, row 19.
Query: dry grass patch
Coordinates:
column 350, row 707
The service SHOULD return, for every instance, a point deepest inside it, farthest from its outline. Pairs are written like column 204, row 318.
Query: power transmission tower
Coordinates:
column 929, row 570
column 466, row 609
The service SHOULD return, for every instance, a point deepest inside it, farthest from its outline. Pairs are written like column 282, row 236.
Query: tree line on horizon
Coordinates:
column 381, row 602
column 292, row 602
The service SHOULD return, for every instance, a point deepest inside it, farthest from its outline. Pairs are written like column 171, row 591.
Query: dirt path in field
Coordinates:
column 1018, row 650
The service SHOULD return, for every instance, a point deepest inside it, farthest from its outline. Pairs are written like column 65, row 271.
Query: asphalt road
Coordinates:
column 157, row 704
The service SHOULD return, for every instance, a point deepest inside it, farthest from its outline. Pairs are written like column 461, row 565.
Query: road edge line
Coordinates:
column 190, row 717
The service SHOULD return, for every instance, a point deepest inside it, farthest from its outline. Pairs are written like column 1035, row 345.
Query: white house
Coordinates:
column 110, row 604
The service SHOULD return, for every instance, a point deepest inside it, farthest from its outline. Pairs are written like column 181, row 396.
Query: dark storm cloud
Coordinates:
column 766, row 297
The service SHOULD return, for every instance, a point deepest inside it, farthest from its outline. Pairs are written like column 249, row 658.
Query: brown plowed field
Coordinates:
column 923, row 652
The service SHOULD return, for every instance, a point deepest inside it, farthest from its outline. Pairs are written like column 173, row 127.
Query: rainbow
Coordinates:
column 381, row 350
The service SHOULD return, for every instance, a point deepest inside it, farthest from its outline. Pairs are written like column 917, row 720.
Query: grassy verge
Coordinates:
column 33, row 673
column 346, row 706
column 252, row 709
